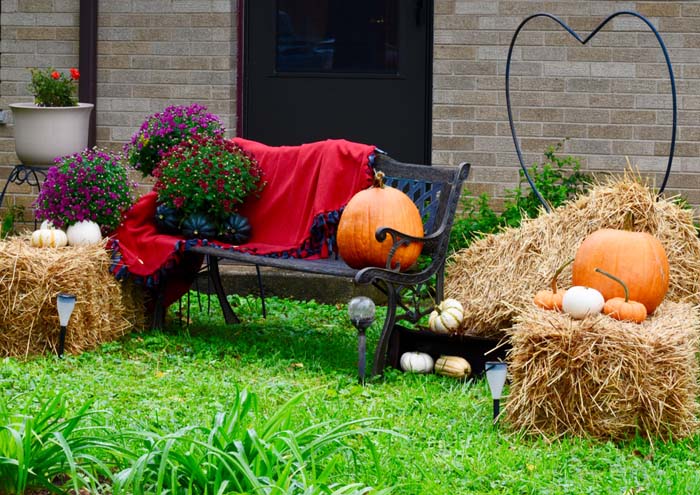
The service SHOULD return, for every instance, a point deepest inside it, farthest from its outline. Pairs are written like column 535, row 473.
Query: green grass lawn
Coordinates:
column 443, row 440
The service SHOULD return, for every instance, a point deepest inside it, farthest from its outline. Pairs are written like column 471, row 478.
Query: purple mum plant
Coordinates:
column 165, row 129
column 91, row 185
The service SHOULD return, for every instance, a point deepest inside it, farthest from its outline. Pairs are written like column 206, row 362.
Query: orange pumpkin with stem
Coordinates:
column 638, row 258
column 368, row 210
column 552, row 299
column 621, row 308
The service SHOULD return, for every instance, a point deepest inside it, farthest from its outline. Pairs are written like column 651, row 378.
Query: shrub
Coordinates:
column 13, row 216
column 243, row 453
column 163, row 130
column 558, row 180
column 207, row 175
column 49, row 450
column 91, row 185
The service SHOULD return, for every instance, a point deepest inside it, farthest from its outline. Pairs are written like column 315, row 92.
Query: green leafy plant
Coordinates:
column 54, row 89
column 558, row 179
column 50, row 449
column 13, row 215
column 207, row 175
column 234, row 455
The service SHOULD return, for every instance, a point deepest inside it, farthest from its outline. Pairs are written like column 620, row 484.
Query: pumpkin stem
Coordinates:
column 624, row 285
column 557, row 273
column 378, row 179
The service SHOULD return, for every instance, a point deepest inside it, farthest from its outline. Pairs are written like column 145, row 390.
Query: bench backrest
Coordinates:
column 434, row 189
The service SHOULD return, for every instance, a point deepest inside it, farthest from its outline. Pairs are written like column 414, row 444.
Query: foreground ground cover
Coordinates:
column 445, row 442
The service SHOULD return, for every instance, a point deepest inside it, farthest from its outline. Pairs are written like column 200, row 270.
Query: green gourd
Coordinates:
column 235, row 230
column 198, row 225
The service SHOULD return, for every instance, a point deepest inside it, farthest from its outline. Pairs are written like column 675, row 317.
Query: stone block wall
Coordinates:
column 33, row 33
column 610, row 98
column 155, row 53
column 151, row 54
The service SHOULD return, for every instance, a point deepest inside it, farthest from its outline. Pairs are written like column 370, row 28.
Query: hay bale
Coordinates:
column 602, row 377
column 499, row 275
column 30, row 280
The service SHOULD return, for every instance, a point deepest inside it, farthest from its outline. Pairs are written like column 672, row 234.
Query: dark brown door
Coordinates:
column 353, row 69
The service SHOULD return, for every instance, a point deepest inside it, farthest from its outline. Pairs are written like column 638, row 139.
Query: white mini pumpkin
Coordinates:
column 416, row 362
column 85, row 233
column 580, row 302
column 447, row 316
column 48, row 238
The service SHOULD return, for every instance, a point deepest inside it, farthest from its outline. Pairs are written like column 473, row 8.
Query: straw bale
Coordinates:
column 30, row 280
column 499, row 275
column 604, row 378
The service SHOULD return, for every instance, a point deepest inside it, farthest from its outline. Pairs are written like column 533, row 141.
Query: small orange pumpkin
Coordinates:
column 368, row 210
column 552, row 299
column 638, row 258
column 621, row 308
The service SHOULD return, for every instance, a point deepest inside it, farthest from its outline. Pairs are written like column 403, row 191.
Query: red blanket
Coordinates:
column 296, row 214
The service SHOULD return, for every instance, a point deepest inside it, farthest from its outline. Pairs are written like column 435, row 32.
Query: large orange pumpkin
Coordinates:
column 638, row 258
column 378, row 206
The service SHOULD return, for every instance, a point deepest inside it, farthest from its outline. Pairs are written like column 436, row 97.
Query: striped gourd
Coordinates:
column 48, row 238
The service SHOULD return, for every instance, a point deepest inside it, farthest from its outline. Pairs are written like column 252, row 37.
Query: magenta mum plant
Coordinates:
column 160, row 131
column 91, row 185
column 209, row 175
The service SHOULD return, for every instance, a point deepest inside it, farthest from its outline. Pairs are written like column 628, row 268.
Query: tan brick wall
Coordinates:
column 611, row 98
column 151, row 54
column 154, row 53
column 33, row 33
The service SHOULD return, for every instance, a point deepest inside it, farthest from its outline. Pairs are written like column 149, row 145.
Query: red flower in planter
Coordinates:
column 53, row 89
column 74, row 74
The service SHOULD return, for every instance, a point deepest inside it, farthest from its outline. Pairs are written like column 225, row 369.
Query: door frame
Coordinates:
column 428, row 7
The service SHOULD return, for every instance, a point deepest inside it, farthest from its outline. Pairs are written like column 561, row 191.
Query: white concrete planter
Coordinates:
column 44, row 133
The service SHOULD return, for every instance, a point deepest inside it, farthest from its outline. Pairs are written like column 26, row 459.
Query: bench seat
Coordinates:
column 411, row 294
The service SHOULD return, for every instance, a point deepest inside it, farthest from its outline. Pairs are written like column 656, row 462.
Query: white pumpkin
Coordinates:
column 416, row 362
column 580, row 302
column 48, row 238
column 447, row 316
column 85, row 233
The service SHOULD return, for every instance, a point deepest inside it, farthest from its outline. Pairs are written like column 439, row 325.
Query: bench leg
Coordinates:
column 229, row 316
column 387, row 330
column 440, row 285
column 262, row 291
column 158, row 317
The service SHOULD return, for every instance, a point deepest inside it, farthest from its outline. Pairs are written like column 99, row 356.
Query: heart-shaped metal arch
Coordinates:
column 583, row 41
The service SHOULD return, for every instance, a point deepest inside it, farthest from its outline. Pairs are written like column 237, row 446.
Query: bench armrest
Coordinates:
column 371, row 273
column 437, row 241
column 400, row 239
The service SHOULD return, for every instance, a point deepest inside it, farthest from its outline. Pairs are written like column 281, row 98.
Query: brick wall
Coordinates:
column 611, row 98
column 33, row 33
column 151, row 53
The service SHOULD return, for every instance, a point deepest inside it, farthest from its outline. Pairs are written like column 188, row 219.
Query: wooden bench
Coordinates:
column 410, row 295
